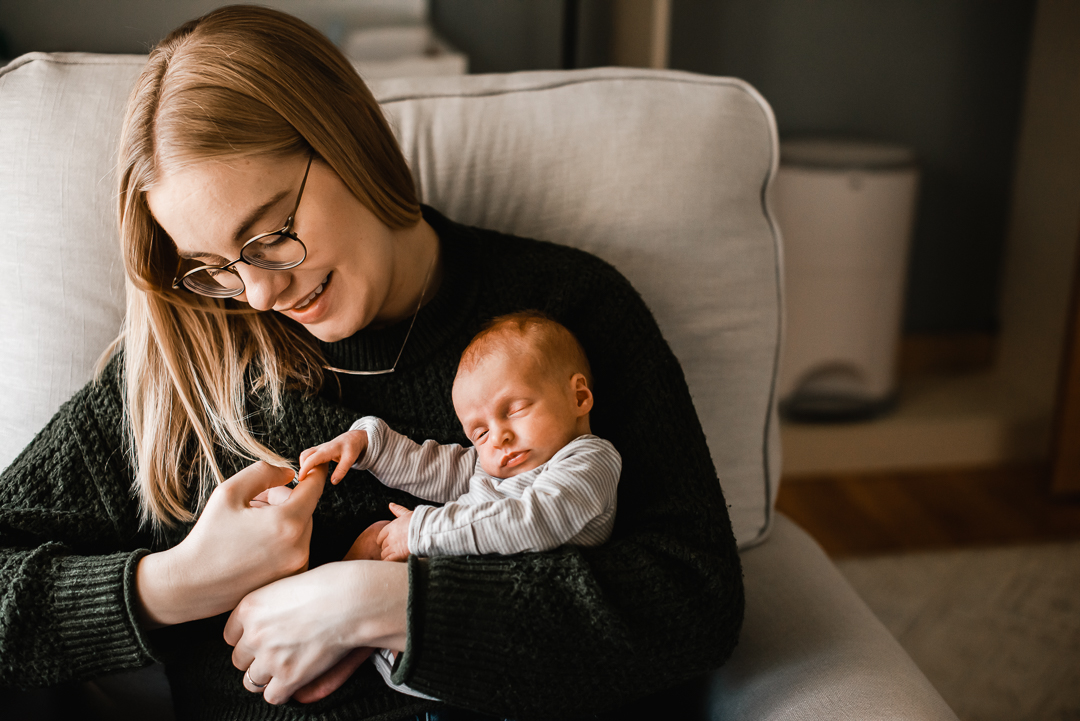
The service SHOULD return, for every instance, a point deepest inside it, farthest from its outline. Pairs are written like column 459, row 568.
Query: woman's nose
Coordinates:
column 261, row 287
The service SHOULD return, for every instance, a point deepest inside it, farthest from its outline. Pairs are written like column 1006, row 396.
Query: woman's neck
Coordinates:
column 416, row 275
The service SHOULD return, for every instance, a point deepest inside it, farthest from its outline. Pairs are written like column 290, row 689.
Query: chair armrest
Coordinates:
column 811, row 649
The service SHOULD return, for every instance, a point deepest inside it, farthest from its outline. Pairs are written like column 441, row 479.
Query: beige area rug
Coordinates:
column 997, row 631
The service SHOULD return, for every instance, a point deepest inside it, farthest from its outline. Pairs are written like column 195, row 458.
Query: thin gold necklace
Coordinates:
column 419, row 304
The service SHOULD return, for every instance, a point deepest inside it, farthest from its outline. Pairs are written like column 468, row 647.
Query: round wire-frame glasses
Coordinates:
column 276, row 250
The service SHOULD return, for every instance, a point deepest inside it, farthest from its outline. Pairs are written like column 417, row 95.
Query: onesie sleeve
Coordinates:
column 428, row 470
column 571, row 500
column 69, row 546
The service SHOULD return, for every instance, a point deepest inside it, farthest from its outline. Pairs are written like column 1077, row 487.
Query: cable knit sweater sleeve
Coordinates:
column 580, row 630
column 68, row 549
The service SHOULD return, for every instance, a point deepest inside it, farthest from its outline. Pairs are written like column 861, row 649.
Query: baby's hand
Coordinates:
column 344, row 450
column 394, row 537
column 366, row 547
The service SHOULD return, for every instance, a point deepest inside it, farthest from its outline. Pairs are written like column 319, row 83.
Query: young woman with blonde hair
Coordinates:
column 284, row 280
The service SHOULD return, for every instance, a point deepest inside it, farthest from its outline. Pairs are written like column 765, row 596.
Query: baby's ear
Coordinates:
column 582, row 395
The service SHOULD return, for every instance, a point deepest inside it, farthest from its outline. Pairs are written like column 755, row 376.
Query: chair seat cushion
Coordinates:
column 810, row 648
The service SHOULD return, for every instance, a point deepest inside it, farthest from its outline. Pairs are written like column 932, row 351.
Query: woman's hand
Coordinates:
column 332, row 680
column 234, row 548
column 289, row 633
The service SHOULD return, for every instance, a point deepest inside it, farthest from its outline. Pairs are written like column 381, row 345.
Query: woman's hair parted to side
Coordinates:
column 240, row 81
column 529, row 334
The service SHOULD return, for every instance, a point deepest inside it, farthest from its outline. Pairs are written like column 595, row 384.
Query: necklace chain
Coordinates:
column 419, row 304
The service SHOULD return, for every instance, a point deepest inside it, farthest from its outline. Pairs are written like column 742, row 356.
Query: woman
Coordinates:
column 283, row 282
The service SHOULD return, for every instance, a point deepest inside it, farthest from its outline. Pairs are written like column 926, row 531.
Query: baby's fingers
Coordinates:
column 383, row 533
column 339, row 471
column 313, row 458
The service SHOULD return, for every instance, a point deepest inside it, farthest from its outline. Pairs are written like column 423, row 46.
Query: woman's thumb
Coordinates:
column 255, row 479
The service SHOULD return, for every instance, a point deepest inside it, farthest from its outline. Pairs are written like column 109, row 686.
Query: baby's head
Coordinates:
column 522, row 392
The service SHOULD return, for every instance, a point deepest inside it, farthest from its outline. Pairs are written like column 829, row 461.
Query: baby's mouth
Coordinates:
column 515, row 458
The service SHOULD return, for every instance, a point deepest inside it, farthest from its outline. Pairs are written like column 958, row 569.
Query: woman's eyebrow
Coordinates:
column 199, row 255
column 242, row 233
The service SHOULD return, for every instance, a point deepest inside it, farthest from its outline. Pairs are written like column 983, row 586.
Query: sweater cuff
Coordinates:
column 96, row 604
column 403, row 667
column 444, row 625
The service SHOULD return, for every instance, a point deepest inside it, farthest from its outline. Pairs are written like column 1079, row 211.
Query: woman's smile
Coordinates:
column 313, row 295
column 313, row 306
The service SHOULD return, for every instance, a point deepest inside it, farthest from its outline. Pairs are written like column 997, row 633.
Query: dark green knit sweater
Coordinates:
column 569, row 632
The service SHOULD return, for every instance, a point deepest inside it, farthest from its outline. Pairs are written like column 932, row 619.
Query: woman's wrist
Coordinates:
column 382, row 619
column 157, row 597
column 167, row 595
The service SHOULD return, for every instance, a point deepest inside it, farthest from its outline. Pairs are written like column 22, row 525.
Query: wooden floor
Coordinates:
column 894, row 512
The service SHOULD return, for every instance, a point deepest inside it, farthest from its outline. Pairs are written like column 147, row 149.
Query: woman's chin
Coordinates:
column 326, row 332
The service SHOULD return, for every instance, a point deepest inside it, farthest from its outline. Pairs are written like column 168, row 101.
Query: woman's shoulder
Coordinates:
column 517, row 259
column 84, row 438
column 107, row 384
column 582, row 291
column 98, row 407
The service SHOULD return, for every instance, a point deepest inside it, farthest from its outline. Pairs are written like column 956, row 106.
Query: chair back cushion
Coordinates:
column 661, row 173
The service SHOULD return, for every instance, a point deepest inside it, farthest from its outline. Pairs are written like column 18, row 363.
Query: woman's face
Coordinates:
column 347, row 280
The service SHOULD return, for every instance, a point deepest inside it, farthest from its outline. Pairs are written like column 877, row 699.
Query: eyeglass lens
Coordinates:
column 277, row 251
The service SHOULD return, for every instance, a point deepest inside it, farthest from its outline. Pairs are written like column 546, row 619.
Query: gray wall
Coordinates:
column 97, row 26
column 502, row 36
column 942, row 76
column 509, row 35
column 134, row 26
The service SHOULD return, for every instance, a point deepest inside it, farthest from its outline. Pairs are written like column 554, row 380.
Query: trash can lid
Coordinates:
column 844, row 154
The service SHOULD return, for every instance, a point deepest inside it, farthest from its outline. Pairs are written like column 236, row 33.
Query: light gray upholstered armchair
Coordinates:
column 664, row 174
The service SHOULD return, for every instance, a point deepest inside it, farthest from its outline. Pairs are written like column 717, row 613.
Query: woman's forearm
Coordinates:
column 159, row 603
column 170, row 594
column 382, row 593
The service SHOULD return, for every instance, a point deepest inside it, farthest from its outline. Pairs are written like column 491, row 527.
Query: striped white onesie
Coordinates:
column 569, row 499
